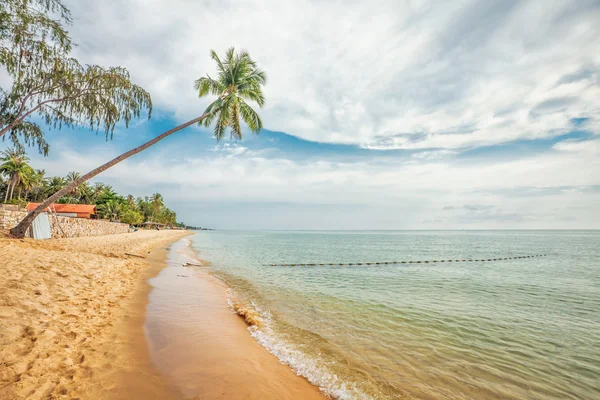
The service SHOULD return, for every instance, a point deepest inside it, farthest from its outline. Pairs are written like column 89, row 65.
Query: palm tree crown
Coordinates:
column 238, row 80
column 15, row 166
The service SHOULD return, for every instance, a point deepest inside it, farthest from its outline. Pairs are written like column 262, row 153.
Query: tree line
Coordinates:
column 20, row 184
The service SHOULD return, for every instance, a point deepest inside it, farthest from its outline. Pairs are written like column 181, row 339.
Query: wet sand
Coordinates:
column 204, row 348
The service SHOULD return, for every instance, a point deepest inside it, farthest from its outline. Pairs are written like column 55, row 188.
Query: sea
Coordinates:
column 506, row 315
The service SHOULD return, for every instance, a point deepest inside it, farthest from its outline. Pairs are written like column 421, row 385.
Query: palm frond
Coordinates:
column 238, row 80
column 215, row 57
column 207, row 85
column 224, row 118
column 250, row 117
column 236, row 128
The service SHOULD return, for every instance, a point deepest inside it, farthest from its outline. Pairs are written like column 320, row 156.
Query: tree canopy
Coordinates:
column 46, row 81
column 238, row 79
column 20, row 184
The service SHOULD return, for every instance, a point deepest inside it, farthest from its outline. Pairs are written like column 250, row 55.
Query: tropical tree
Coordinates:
column 106, row 194
column 131, row 202
column 35, row 183
column 131, row 217
column 238, row 80
column 15, row 166
column 73, row 195
column 110, row 210
column 46, row 81
column 85, row 193
column 53, row 185
column 156, row 203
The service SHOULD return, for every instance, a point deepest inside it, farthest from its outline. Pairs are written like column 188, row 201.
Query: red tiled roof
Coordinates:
column 67, row 208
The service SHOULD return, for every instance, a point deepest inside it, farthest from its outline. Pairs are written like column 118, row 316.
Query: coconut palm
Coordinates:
column 73, row 195
column 130, row 202
column 53, row 185
column 156, row 203
column 36, row 184
column 15, row 167
column 110, row 210
column 238, row 80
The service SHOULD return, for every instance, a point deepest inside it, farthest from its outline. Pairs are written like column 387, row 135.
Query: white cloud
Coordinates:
column 395, row 74
column 555, row 189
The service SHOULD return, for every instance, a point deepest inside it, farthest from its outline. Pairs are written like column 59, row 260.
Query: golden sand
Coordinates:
column 72, row 314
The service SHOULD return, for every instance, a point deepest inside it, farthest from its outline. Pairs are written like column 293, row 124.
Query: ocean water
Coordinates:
column 511, row 329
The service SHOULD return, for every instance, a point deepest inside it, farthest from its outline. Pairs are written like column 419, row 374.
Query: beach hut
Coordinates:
column 86, row 211
column 153, row 225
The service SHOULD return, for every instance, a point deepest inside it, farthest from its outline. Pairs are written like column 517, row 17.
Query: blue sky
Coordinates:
column 395, row 115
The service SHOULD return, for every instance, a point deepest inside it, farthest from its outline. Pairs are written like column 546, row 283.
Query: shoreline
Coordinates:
column 203, row 347
column 146, row 381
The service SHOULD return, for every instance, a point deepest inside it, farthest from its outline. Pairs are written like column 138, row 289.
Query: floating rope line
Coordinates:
column 405, row 262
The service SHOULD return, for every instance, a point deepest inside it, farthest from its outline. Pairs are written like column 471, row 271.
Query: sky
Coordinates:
column 379, row 115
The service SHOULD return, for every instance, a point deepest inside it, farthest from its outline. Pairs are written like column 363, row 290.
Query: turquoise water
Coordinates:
column 513, row 329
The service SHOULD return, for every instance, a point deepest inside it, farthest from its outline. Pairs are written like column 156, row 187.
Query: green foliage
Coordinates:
column 32, row 33
column 131, row 217
column 21, row 184
column 19, row 173
column 238, row 79
column 46, row 81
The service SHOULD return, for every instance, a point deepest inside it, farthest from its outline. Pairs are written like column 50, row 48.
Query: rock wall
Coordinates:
column 63, row 227
column 77, row 227
column 11, row 215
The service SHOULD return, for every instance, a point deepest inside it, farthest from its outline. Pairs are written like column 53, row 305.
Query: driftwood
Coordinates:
column 134, row 255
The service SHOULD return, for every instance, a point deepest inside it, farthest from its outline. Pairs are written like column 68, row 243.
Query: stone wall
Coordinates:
column 11, row 215
column 78, row 227
column 61, row 226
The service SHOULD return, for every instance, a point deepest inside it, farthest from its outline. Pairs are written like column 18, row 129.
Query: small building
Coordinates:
column 68, row 210
column 153, row 225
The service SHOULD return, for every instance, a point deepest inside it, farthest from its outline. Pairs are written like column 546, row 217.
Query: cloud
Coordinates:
column 553, row 189
column 412, row 114
column 398, row 74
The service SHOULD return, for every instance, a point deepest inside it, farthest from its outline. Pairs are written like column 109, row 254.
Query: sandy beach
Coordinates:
column 69, row 311
column 72, row 315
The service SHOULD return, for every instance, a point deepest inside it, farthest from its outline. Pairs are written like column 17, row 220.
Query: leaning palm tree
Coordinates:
column 238, row 80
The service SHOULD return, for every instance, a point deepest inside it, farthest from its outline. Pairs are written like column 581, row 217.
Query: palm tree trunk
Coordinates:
column 12, row 190
column 20, row 230
column 7, row 190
